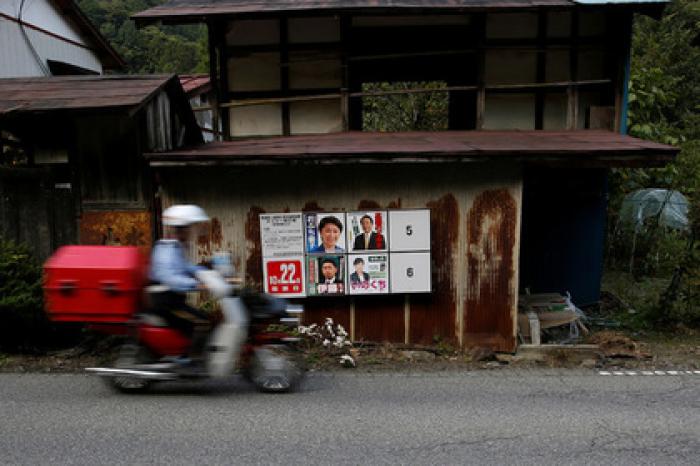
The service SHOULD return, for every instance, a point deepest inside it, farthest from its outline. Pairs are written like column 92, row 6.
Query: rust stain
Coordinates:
column 434, row 315
column 312, row 206
column 253, row 264
column 394, row 204
column 217, row 236
column 286, row 210
column 490, row 298
column 366, row 204
column 125, row 228
column 211, row 239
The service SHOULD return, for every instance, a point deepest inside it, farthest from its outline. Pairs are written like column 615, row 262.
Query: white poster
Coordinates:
column 281, row 234
column 410, row 272
column 409, row 230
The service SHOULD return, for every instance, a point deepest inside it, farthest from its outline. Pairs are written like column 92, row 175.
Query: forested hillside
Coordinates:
column 165, row 49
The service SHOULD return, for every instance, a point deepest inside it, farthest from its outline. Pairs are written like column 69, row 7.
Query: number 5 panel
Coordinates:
column 409, row 230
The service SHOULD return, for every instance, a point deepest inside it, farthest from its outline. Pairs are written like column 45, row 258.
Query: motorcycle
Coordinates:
column 256, row 327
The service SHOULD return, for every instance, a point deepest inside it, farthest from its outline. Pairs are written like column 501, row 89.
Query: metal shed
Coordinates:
column 471, row 181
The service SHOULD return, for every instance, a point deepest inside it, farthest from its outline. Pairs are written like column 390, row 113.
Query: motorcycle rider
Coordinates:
column 171, row 269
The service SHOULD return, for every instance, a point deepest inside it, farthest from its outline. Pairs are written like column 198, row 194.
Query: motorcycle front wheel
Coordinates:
column 276, row 368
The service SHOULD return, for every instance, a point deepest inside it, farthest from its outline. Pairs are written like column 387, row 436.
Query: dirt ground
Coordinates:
column 679, row 350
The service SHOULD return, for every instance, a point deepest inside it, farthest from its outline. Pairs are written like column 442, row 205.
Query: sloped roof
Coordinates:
column 109, row 57
column 197, row 10
column 22, row 95
column 195, row 84
column 589, row 147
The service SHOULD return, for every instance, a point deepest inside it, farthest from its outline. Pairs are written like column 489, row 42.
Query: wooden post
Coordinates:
column 220, row 41
column 572, row 91
column 480, row 27
column 284, row 74
column 345, row 72
column 407, row 319
column 541, row 68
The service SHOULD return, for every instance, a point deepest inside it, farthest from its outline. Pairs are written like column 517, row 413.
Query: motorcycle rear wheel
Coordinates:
column 130, row 355
column 276, row 369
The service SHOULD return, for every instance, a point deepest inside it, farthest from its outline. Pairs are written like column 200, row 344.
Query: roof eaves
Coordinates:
column 112, row 59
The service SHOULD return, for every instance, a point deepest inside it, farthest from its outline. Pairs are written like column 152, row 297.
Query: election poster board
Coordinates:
column 368, row 273
column 326, row 275
column 367, row 231
column 284, row 277
column 361, row 252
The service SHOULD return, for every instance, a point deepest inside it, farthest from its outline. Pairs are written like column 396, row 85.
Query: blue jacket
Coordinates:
column 170, row 267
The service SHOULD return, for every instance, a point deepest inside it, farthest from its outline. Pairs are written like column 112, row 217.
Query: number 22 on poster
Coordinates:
column 284, row 276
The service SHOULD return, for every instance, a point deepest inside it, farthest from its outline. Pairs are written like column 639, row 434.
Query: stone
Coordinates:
column 418, row 356
column 480, row 354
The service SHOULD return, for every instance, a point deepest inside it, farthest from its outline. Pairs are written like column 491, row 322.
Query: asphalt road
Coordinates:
column 484, row 417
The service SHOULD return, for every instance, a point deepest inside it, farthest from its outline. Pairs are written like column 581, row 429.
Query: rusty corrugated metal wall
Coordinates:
column 475, row 230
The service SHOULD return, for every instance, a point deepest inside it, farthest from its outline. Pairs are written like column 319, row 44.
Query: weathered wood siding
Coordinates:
column 475, row 228
column 36, row 210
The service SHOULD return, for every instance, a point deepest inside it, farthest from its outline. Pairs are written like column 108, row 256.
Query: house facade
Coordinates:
column 51, row 37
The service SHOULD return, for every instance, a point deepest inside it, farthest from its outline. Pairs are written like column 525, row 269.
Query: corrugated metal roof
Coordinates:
column 202, row 8
column 197, row 10
column 77, row 92
column 192, row 83
column 617, row 2
column 601, row 147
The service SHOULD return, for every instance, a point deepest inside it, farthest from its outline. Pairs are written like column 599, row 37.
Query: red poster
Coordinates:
column 284, row 277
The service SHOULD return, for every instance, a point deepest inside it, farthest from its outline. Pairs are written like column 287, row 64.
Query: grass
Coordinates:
column 641, row 295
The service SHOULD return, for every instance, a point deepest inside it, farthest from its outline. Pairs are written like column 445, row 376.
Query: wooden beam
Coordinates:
column 497, row 88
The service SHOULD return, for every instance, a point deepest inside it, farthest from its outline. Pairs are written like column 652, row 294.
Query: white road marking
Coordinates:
column 646, row 372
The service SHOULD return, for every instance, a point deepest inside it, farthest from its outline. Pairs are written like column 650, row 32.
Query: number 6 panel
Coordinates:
column 409, row 230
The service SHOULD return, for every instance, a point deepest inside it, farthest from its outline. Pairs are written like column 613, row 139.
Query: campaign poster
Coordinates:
column 325, row 232
column 368, row 273
column 367, row 231
column 284, row 276
column 281, row 234
column 325, row 275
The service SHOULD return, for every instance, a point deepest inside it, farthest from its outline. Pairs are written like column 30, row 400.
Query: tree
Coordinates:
column 166, row 49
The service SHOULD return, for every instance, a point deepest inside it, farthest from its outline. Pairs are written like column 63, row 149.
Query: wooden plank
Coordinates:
column 379, row 318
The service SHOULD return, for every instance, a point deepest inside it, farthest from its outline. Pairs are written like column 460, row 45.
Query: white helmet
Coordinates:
column 184, row 215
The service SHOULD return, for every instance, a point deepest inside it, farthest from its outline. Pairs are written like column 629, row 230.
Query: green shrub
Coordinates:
column 21, row 305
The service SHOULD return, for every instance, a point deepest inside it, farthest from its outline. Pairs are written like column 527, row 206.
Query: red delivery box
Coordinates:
column 94, row 284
